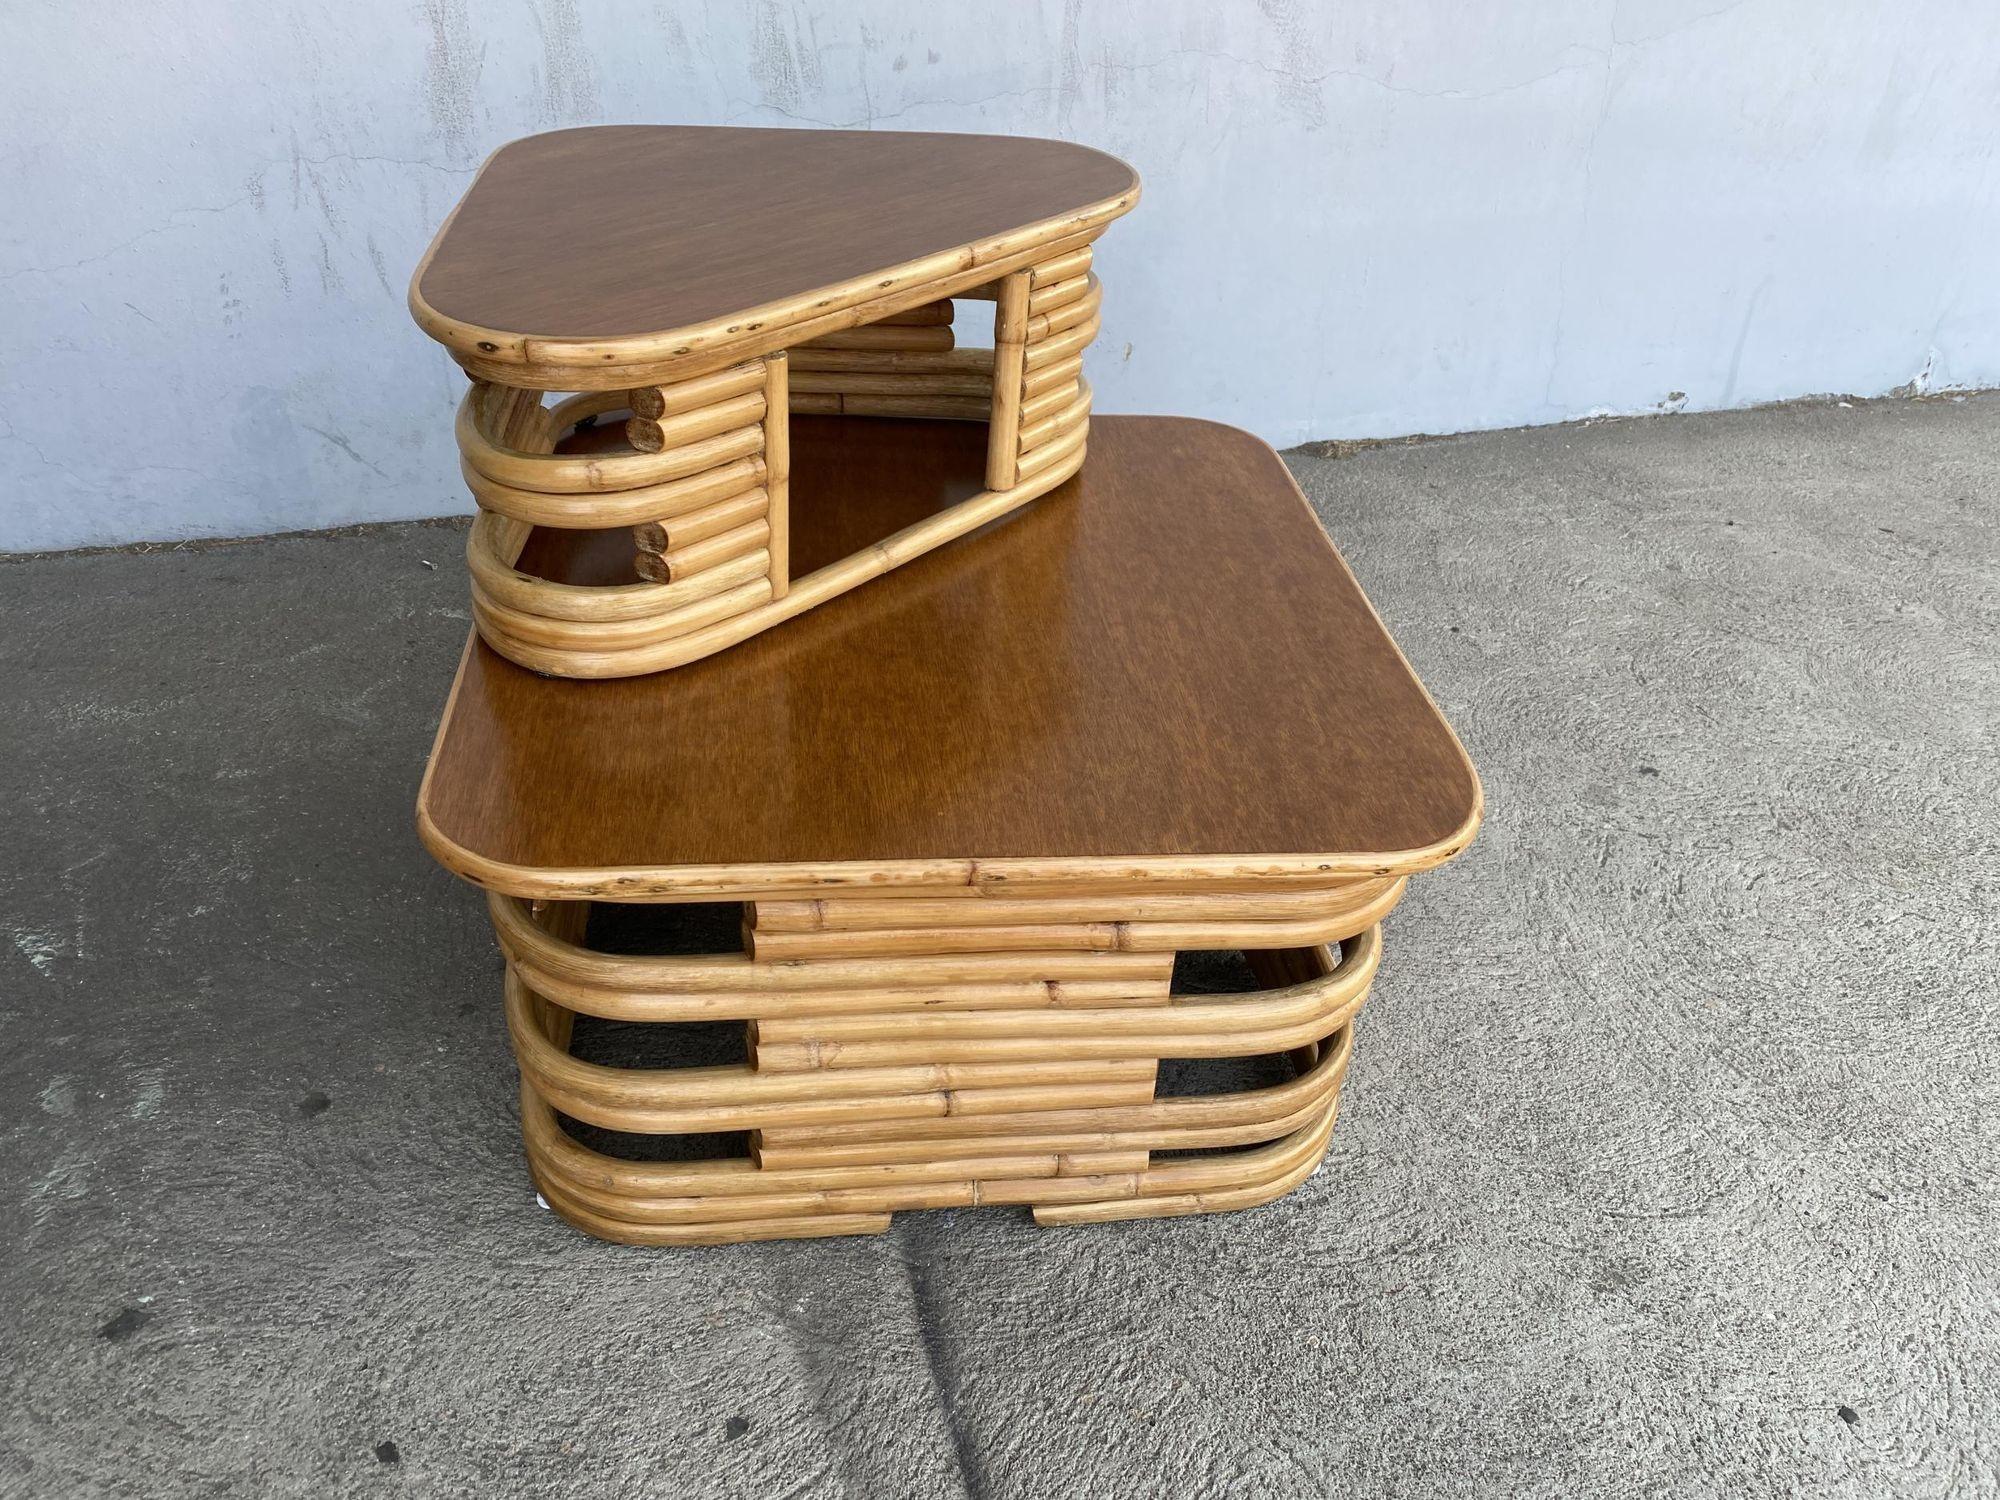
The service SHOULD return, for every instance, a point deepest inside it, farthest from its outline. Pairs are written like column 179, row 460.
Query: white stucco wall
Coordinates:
column 1362, row 218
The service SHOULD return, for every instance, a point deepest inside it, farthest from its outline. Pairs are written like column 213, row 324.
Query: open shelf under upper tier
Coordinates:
column 854, row 481
column 1163, row 657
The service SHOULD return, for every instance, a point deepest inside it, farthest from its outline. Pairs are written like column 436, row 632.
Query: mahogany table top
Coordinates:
column 1162, row 663
column 640, row 231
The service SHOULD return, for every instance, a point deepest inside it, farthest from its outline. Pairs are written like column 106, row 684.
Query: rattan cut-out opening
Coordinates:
column 1224, row 972
column 580, row 557
column 1203, row 1077
column 659, row 1044
column 689, row 928
column 623, row 1145
column 1204, row 1153
column 1213, row 971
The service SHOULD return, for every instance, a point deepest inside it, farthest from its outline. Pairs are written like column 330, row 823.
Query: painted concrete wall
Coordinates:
column 1361, row 219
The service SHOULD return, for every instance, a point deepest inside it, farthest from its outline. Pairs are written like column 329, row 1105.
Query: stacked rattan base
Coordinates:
column 946, row 1048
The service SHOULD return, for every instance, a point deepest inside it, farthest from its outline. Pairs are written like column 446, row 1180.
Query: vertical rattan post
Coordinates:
column 1010, row 343
column 778, row 467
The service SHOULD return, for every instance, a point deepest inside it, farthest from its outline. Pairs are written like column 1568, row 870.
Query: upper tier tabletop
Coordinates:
column 659, row 232
column 1162, row 661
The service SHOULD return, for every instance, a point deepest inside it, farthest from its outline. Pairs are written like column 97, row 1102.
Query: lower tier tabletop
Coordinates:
column 1161, row 671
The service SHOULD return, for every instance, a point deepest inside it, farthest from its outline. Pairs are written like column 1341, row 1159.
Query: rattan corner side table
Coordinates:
column 961, row 822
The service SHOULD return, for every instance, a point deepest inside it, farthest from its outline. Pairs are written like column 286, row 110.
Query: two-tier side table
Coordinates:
column 965, row 817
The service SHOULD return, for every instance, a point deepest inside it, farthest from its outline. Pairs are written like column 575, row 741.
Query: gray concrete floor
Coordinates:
column 1667, row 1164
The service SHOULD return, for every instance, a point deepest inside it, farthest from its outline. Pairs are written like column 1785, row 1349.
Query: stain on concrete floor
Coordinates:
column 1666, row 1164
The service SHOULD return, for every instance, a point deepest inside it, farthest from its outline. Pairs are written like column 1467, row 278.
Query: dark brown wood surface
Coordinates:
column 1165, row 656
column 616, row 231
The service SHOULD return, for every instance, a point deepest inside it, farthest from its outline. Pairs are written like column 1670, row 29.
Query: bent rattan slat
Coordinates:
column 977, row 907
column 1196, row 1121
